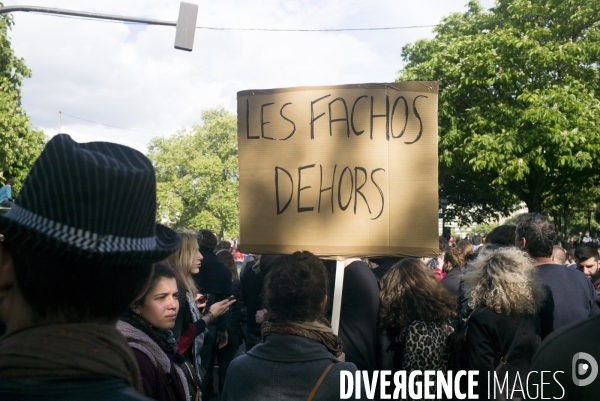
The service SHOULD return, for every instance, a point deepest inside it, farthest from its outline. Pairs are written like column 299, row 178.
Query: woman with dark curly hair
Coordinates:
column 299, row 347
column 416, row 311
column 506, row 294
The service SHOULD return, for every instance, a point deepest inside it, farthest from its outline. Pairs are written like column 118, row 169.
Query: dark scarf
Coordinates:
column 325, row 337
column 69, row 349
column 164, row 338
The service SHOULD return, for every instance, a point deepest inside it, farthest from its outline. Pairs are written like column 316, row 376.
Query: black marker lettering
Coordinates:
column 386, row 115
column 300, row 189
column 405, row 116
column 332, row 120
column 352, row 116
column 380, row 191
column 277, row 168
column 340, row 188
column 262, row 121
column 312, row 116
column 321, row 189
column 248, row 122
column 357, row 188
column 419, row 117
column 287, row 119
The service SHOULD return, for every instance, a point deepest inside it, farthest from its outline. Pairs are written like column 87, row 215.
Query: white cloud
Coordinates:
column 130, row 76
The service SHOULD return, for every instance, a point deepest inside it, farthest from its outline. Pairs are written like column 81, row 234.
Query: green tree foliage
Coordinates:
column 519, row 115
column 20, row 143
column 570, row 209
column 197, row 175
column 512, row 221
column 484, row 228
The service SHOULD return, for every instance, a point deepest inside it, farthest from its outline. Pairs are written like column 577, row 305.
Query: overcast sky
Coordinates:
column 130, row 76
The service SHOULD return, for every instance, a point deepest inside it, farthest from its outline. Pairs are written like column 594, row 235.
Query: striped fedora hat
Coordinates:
column 90, row 200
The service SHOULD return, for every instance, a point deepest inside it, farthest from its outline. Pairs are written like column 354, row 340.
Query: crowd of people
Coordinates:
column 98, row 300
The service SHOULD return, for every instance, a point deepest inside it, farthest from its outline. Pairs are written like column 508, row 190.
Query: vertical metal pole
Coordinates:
column 59, row 121
column 337, row 296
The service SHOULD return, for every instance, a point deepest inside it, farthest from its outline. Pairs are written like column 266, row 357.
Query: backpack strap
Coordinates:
column 318, row 383
column 504, row 359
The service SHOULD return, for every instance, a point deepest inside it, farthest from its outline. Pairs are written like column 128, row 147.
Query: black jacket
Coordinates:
column 358, row 316
column 254, row 281
column 214, row 280
column 489, row 336
column 558, row 353
column 67, row 388
column 251, row 294
column 383, row 265
column 452, row 281
column 235, row 321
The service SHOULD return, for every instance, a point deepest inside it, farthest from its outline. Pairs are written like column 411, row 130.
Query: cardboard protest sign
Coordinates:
column 341, row 171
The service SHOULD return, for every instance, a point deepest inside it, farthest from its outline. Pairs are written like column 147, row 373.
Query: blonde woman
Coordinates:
column 190, row 325
column 506, row 295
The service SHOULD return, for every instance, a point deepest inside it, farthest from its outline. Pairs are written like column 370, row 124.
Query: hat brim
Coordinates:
column 31, row 240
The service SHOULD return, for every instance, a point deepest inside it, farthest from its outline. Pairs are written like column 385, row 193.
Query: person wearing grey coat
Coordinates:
column 300, row 358
column 285, row 368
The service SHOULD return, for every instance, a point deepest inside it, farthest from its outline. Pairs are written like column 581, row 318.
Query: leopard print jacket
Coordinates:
column 425, row 346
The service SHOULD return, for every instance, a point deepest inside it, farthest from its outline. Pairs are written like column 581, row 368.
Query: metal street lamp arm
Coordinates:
column 47, row 10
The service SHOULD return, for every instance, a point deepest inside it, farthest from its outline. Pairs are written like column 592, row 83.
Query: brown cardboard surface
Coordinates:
column 301, row 141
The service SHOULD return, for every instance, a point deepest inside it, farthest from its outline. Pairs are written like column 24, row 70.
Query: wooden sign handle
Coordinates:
column 337, row 296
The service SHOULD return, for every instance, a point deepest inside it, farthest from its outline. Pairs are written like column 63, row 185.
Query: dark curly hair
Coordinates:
column 296, row 289
column 409, row 292
column 539, row 232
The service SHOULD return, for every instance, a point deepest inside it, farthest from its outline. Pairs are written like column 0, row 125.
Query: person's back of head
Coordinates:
column 459, row 255
column 207, row 240
column 571, row 256
column 443, row 244
column 465, row 247
column 559, row 255
column 10, row 182
column 410, row 292
column 504, row 280
column 503, row 235
column 451, row 260
column 87, row 258
column 226, row 245
column 297, row 289
column 227, row 258
column 539, row 234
